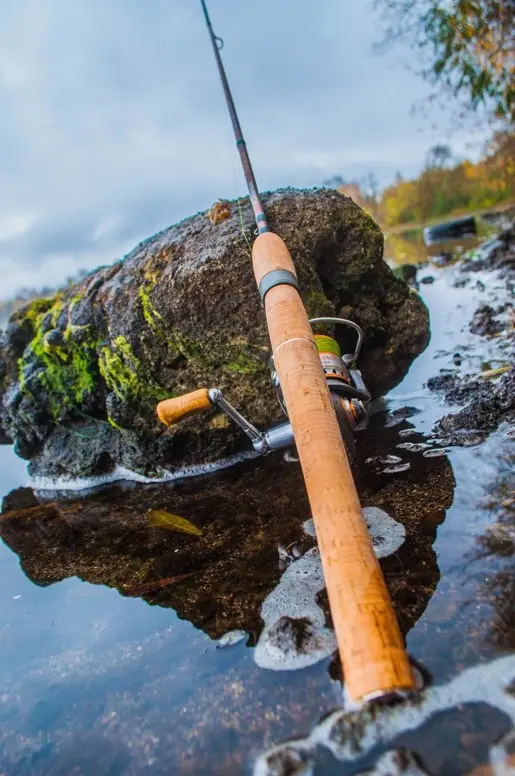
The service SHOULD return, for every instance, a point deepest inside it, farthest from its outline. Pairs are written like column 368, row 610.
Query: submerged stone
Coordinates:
column 81, row 372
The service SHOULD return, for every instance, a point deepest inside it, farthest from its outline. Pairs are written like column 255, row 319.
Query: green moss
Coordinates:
column 113, row 423
column 153, row 317
column 124, row 374
column 178, row 343
column 73, row 301
column 35, row 309
column 245, row 365
column 317, row 304
column 70, row 369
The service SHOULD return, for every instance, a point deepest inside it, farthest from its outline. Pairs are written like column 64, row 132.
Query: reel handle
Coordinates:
column 171, row 411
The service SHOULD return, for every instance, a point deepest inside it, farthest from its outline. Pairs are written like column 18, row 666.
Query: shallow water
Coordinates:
column 409, row 247
column 95, row 680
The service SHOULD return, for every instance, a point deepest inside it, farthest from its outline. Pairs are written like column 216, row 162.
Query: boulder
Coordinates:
column 81, row 372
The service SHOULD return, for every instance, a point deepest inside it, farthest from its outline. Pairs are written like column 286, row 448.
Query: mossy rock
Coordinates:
column 81, row 372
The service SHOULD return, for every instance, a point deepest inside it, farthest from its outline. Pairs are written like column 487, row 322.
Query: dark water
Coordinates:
column 95, row 681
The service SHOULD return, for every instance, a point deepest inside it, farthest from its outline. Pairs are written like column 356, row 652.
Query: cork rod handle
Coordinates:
column 171, row 411
column 369, row 640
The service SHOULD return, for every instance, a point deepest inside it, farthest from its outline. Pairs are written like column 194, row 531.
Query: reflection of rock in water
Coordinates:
column 417, row 497
column 245, row 514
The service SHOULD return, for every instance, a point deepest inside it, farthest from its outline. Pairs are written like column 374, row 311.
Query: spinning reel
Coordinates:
column 349, row 396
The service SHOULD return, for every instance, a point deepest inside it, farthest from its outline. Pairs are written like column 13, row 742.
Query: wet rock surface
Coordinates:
column 488, row 403
column 489, row 394
column 82, row 371
column 500, row 255
column 484, row 323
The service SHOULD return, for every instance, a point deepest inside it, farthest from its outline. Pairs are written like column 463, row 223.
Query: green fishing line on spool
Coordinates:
column 326, row 344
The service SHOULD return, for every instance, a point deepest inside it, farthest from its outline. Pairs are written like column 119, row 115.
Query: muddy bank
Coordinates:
column 251, row 518
column 81, row 373
column 486, row 397
column 489, row 401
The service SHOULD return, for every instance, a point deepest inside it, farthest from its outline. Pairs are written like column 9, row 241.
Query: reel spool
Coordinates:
column 348, row 391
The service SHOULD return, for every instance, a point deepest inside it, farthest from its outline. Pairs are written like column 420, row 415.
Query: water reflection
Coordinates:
column 218, row 581
column 409, row 247
column 496, row 553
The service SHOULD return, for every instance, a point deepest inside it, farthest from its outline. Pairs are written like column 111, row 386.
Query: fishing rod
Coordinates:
column 324, row 397
column 255, row 199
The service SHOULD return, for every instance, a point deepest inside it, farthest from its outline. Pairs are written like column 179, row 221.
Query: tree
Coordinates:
column 334, row 182
column 468, row 45
column 369, row 185
column 447, row 186
column 438, row 157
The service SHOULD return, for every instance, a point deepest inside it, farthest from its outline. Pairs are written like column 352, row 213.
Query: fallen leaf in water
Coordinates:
column 148, row 587
column 159, row 518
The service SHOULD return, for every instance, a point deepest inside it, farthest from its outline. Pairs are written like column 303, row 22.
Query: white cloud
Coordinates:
column 105, row 226
column 15, row 224
column 114, row 125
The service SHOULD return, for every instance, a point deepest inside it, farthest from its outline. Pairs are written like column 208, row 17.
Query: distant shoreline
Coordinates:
column 416, row 225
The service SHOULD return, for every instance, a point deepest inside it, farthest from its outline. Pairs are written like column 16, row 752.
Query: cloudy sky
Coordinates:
column 113, row 123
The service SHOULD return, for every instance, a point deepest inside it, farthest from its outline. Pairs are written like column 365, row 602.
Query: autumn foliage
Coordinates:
column 446, row 186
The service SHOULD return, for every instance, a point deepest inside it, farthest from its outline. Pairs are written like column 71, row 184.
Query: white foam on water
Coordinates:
column 294, row 598
column 401, row 467
column 405, row 432
column 436, row 453
column 386, row 533
column 395, row 763
column 351, row 735
column 384, row 459
column 121, row 473
column 231, row 638
column 309, row 527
